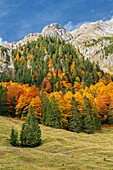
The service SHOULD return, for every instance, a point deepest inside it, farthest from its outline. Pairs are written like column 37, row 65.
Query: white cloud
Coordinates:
column 93, row 10
column 40, row 2
column 4, row 8
column 4, row 13
column 111, row 20
column 15, row 5
column 70, row 26
column 2, row 42
column 79, row 24
column 107, row 20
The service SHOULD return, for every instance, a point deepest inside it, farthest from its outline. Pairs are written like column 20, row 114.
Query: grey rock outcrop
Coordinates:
column 6, row 60
column 90, row 31
column 56, row 30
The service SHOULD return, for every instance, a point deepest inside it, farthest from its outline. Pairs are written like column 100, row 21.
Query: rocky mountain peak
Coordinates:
column 53, row 27
column 56, row 25
column 56, row 30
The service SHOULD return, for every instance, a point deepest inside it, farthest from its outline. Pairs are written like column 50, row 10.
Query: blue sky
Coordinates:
column 21, row 17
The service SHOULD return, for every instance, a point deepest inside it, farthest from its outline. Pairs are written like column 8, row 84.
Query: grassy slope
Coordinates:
column 60, row 149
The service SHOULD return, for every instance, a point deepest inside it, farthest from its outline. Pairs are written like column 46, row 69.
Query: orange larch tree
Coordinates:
column 24, row 101
column 13, row 94
column 103, row 103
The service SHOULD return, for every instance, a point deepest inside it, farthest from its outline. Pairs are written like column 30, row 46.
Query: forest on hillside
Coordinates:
column 65, row 90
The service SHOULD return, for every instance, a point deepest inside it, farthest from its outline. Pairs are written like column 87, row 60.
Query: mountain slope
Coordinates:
column 92, row 39
column 93, row 30
column 57, row 60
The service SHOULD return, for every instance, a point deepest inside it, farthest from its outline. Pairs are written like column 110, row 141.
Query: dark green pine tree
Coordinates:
column 13, row 104
column 58, row 85
column 97, row 67
column 48, row 114
column 88, row 119
column 52, row 80
column 55, row 117
column 18, row 76
column 14, row 137
column 97, row 119
column 28, row 78
column 73, row 90
column 54, row 88
column 110, row 117
column 86, row 79
column 95, row 76
column 3, row 101
column 30, row 133
column 45, row 101
column 40, row 78
column 75, row 122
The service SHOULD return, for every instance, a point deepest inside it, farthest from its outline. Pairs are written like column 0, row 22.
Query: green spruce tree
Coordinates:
column 13, row 104
column 75, row 123
column 48, row 114
column 14, row 137
column 88, row 121
column 30, row 133
column 45, row 101
column 3, row 101
column 97, row 119
column 55, row 117
column 110, row 117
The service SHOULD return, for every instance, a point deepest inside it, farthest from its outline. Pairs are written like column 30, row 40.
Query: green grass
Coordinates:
column 60, row 149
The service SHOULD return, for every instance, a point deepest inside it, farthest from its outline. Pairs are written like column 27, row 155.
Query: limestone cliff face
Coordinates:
column 6, row 61
column 92, row 39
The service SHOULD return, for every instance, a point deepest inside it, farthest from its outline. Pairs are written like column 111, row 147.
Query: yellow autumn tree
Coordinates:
column 62, row 107
column 80, row 102
column 67, row 103
column 37, row 106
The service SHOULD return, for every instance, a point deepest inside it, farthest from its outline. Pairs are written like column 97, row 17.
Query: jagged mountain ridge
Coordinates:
column 93, row 30
column 82, row 38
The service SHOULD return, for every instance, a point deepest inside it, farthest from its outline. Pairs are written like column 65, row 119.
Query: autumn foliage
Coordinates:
column 100, row 94
column 58, row 70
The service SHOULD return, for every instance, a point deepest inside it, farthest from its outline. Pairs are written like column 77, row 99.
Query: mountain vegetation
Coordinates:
column 65, row 90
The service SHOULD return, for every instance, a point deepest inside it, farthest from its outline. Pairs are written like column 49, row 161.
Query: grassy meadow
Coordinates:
column 60, row 149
